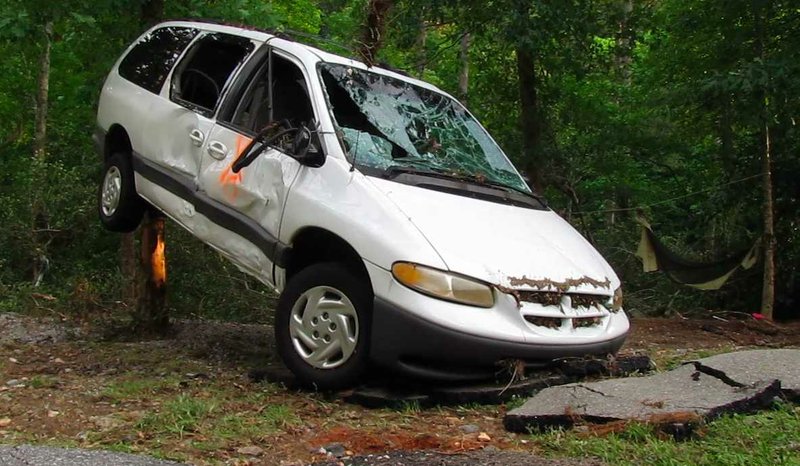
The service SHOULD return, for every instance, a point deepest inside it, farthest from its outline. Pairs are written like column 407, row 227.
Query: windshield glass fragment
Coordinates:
column 389, row 123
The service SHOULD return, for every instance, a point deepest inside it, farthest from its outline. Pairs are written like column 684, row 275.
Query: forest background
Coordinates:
column 675, row 109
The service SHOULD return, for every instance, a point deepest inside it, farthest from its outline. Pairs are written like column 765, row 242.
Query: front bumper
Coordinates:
column 402, row 341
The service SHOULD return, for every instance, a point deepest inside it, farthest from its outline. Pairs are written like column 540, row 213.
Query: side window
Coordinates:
column 200, row 78
column 150, row 60
column 290, row 102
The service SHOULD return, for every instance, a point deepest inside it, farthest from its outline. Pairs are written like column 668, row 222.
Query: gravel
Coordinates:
column 26, row 455
column 16, row 328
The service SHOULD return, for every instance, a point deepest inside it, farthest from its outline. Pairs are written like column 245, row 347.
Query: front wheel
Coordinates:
column 322, row 326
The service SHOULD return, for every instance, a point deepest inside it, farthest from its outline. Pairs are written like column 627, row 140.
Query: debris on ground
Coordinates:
column 250, row 451
column 486, row 457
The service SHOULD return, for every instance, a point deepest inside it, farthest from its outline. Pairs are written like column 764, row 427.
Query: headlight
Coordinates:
column 443, row 285
column 616, row 301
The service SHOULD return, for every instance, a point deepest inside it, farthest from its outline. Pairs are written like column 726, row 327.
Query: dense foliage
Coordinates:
column 658, row 105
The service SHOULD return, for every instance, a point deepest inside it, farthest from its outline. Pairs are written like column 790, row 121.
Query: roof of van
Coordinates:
column 321, row 55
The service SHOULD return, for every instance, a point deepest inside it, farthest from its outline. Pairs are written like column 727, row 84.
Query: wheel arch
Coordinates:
column 314, row 245
column 117, row 140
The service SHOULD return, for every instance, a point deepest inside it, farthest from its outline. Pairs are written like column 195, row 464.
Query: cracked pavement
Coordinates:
column 704, row 389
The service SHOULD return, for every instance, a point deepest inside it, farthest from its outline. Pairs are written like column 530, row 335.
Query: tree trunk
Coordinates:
column 40, row 221
column 624, row 42
column 374, row 29
column 152, row 12
column 531, row 122
column 151, row 314
column 42, row 94
column 420, row 45
column 463, row 75
column 761, row 10
column 768, row 290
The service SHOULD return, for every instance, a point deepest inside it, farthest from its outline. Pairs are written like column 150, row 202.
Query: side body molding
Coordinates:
column 215, row 211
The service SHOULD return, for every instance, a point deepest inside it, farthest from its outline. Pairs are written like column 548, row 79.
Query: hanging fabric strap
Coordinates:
column 701, row 275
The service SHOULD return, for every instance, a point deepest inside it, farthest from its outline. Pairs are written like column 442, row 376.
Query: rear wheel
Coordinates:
column 322, row 326
column 119, row 206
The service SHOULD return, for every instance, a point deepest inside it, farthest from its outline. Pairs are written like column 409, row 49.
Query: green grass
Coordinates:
column 179, row 416
column 408, row 407
column 515, row 402
column 43, row 381
column 210, row 418
column 247, row 426
column 137, row 388
column 770, row 438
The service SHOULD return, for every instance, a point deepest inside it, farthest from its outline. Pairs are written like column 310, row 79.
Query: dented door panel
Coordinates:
column 258, row 191
column 246, row 256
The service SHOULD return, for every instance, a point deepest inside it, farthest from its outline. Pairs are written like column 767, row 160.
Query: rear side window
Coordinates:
column 151, row 59
column 200, row 78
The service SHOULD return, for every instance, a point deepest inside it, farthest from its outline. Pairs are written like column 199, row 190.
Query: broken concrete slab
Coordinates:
column 675, row 399
column 748, row 367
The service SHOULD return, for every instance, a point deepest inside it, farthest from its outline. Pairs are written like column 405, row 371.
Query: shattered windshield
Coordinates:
column 388, row 124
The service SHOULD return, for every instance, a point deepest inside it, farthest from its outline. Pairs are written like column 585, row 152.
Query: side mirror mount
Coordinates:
column 306, row 148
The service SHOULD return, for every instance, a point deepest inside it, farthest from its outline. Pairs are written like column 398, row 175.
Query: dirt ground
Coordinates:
column 189, row 397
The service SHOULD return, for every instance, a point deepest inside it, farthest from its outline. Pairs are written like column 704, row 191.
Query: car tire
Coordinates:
column 119, row 206
column 322, row 326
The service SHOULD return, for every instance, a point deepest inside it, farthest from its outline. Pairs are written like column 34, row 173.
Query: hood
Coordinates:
column 509, row 246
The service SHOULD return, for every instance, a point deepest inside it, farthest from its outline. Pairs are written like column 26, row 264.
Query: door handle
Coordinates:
column 197, row 137
column 217, row 150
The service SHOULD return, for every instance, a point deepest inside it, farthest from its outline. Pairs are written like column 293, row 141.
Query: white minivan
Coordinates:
column 395, row 229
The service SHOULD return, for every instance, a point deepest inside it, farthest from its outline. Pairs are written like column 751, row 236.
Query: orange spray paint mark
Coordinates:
column 158, row 261
column 228, row 179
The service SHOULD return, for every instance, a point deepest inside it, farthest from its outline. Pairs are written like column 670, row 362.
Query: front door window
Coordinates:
column 286, row 102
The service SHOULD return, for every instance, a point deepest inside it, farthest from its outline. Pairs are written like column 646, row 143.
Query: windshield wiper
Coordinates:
column 394, row 170
column 480, row 180
column 530, row 193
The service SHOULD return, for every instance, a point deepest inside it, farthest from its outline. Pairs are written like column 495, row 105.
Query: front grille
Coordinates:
column 585, row 322
column 595, row 304
column 556, row 322
column 546, row 322
column 554, row 298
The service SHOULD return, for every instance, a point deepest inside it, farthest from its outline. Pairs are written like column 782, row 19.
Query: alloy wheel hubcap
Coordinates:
column 112, row 186
column 324, row 327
